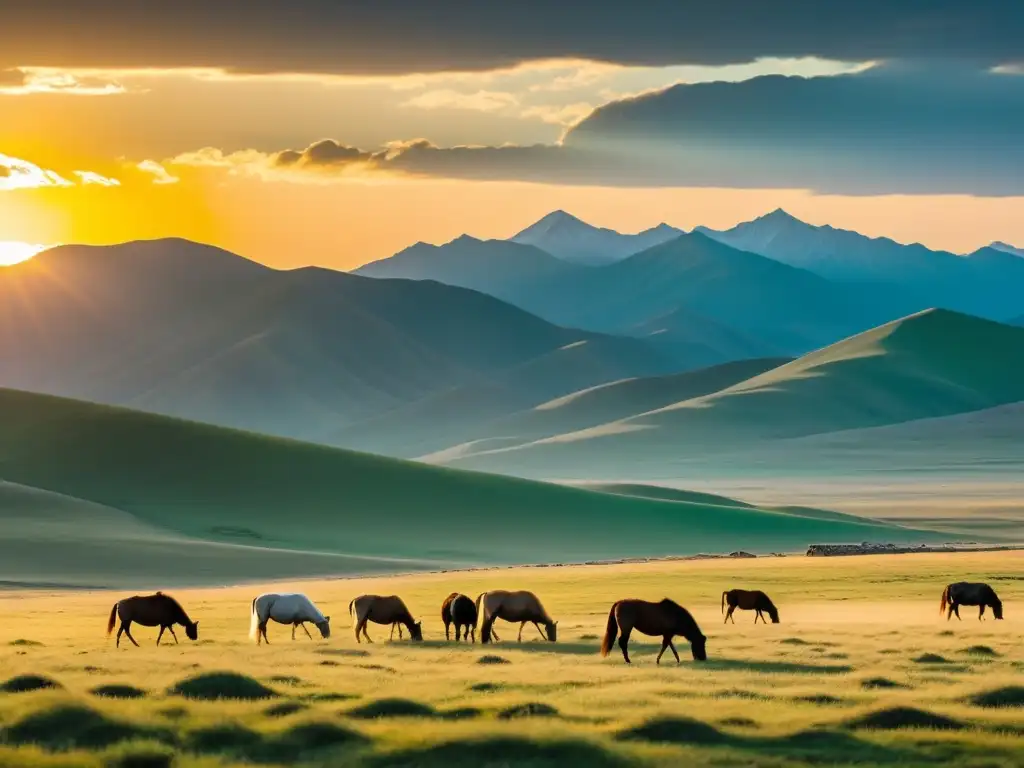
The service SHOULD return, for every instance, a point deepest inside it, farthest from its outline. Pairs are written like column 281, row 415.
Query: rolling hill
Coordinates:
column 577, row 242
column 935, row 363
column 196, row 481
column 609, row 402
column 184, row 329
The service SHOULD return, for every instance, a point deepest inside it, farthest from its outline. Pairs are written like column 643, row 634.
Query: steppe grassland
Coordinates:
column 860, row 638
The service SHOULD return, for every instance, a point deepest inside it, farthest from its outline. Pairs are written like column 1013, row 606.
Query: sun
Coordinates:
column 13, row 252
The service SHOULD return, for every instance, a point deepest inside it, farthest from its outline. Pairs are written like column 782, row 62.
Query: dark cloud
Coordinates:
column 890, row 130
column 400, row 36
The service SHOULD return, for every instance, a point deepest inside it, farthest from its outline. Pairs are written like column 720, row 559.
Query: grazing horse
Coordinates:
column 291, row 608
column 157, row 610
column 523, row 607
column 459, row 610
column 968, row 593
column 382, row 610
column 665, row 619
column 745, row 600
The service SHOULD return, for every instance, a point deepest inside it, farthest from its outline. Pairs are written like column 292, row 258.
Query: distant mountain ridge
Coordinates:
column 567, row 237
column 907, row 277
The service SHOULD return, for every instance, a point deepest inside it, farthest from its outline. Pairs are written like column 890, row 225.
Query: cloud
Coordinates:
column 409, row 36
column 21, row 174
column 26, row 81
column 888, row 130
column 569, row 114
column 91, row 177
column 16, row 173
column 481, row 101
column 160, row 174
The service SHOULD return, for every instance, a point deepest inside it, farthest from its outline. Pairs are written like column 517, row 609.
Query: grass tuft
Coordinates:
column 284, row 708
column 381, row 708
column 930, row 658
column 1000, row 698
column 488, row 659
column 981, row 650
column 28, row 683
column 529, row 709
column 72, row 726
column 213, row 686
column 880, row 683
column 118, row 692
column 895, row 718
column 674, row 730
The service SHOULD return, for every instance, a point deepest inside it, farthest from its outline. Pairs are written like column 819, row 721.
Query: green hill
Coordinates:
column 219, row 485
column 934, row 363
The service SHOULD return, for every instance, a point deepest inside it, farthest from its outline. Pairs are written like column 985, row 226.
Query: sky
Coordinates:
column 333, row 132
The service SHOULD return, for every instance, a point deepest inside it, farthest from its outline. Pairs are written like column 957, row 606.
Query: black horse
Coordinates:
column 459, row 610
column 969, row 593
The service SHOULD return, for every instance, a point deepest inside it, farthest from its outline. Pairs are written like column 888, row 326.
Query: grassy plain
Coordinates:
column 862, row 670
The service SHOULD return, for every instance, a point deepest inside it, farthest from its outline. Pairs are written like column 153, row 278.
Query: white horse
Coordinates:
column 293, row 608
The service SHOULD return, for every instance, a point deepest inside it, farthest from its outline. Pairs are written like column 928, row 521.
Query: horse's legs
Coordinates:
column 624, row 642
column 127, row 627
column 664, row 645
column 159, row 635
column 303, row 625
column 673, row 649
column 173, row 635
column 956, row 610
column 728, row 615
column 119, row 631
column 757, row 615
column 261, row 631
column 392, row 635
column 458, row 633
column 541, row 631
column 521, row 631
column 447, row 631
column 361, row 627
column 293, row 631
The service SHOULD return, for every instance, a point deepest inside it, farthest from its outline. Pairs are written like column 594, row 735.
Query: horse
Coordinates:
column 459, row 610
column 289, row 608
column 382, row 610
column 523, row 607
column 753, row 600
column 665, row 619
column 157, row 610
column 968, row 593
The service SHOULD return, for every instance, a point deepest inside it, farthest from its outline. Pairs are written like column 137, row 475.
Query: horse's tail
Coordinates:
column 111, row 620
column 254, row 622
column 610, row 632
column 723, row 601
column 350, row 604
column 945, row 600
column 479, row 615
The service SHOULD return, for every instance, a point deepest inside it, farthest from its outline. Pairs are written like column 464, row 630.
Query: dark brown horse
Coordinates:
column 752, row 600
column 968, row 593
column 517, row 607
column 459, row 610
column 665, row 619
column 382, row 610
column 157, row 610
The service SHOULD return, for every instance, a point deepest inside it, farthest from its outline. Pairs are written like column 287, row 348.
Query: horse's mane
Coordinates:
column 675, row 608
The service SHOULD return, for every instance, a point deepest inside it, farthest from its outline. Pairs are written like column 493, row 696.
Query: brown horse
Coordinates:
column 382, row 610
column 459, row 610
column 665, row 619
column 745, row 600
column 523, row 607
column 157, row 610
column 968, row 593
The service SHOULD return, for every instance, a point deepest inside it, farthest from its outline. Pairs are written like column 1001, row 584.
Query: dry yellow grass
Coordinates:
column 772, row 695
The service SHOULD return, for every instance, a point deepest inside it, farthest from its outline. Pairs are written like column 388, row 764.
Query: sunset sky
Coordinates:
column 334, row 133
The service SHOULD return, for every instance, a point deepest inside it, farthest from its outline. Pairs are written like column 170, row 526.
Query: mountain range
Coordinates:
column 659, row 353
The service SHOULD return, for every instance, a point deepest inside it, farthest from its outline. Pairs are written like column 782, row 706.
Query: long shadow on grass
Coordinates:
column 294, row 745
column 505, row 750
column 823, row 746
column 779, row 667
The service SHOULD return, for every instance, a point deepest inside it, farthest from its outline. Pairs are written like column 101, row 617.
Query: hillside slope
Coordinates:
column 935, row 363
column 184, row 329
column 223, row 485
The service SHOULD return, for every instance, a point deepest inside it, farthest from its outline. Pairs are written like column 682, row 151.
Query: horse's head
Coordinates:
column 192, row 630
column 774, row 613
column 416, row 630
column 552, row 628
column 324, row 627
column 698, row 647
column 997, row 608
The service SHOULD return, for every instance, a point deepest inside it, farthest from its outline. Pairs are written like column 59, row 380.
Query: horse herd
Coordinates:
column 665, row 619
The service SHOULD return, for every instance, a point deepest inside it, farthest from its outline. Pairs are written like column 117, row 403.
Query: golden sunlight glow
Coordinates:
column 12, row 252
